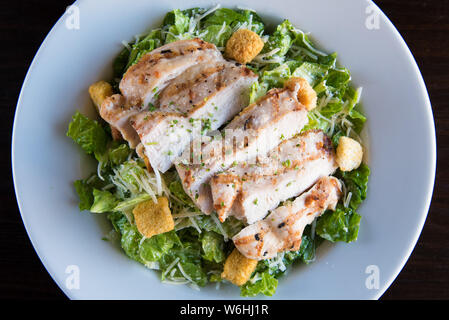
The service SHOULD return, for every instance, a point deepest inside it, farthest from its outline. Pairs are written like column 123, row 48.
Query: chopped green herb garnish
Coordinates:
column 151, row 107
column 286, row 163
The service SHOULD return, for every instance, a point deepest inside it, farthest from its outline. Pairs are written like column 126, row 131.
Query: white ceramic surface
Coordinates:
column 400, row 130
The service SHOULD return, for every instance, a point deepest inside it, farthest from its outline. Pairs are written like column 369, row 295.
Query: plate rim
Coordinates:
column 433, row 156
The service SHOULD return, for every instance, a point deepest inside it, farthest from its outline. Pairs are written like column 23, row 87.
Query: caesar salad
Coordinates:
column 227, row 150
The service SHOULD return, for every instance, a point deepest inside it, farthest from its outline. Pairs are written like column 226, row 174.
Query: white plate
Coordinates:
column 401, row 142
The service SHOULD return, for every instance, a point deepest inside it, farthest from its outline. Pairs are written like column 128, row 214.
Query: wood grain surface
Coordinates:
column 424, row 25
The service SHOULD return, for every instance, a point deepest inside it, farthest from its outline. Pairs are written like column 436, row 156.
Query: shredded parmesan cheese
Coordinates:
column 220, row 227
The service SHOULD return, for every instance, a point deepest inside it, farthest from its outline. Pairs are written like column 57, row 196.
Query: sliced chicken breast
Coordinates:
column 249, row 191
column 282, row 230
column 142, row 82
column 256, row 130
column 198, row 101
column 115, row 111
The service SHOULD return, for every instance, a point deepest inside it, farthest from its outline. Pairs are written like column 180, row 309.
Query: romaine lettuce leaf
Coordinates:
column 119, row 66
column 177, row 23
column 336, row 137
column 213, row 245
column 189, row 257
column 329, row 60
column 258, row 90
column 235, row 19
column 164, row 249
column 130, row 175
column 131, row 202
column 276, row 77
column 356, row 182
column 178, row 20
column 231, row 226
column 194, row 272
column 266, row 285
column 221, row 15
column 152, row 249
column 337, row 81
column 218, row 34
column 127, row 57
column 281, row 39
column 308, row 248
column 142, row 47
column 339, row 225
column 104, row 201
column 177, row 190
column 130, row 241
column 294, row 63
column 84, row 191
column 253, row 19
column 118, row 152
column 310, row 71
column 88, row 134
column 118, row 220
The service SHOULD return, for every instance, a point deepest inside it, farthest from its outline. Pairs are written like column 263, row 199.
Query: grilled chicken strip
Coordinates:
column 143, row 81
column 115, row 111
column 256, row 130
column 282, row 229
column 198, row 101
column 249, row 191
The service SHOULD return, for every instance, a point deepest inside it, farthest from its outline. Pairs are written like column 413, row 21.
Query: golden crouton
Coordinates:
column 349, row 154
column 238, row 268
column 99, row 91
column 153, row 218
column 243, row 46
column 306, row 94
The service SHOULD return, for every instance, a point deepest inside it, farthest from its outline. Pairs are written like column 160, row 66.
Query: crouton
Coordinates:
column 243, row 46
column 238, row 268
column 153, row 218
column 306, row 94
column 99, row 91
column 349, row 154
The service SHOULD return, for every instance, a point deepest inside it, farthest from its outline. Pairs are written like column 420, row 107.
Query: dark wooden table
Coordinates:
column 424, row 24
